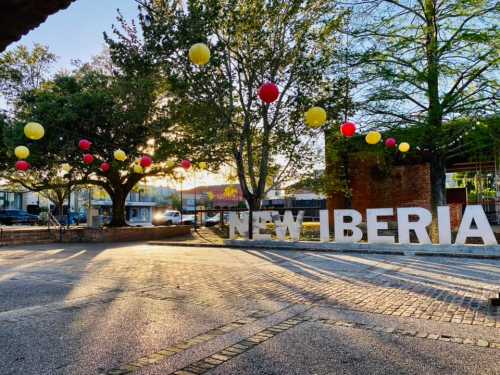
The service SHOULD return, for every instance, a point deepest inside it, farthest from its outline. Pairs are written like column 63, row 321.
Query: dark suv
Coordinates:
column 9, row 217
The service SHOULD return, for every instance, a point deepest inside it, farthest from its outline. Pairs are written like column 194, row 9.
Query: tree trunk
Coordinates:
column 118, row 210
column 438, row 181
column 254, row 204
column 438, row 192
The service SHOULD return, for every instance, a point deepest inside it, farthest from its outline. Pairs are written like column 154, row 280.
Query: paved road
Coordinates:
column 140, row 309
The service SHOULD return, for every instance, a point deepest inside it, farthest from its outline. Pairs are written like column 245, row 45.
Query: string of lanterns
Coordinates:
column 315, row 117
column 35, row 132
column 199, row 54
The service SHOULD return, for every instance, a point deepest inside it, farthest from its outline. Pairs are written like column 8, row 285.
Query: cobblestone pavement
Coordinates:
column 135, row 308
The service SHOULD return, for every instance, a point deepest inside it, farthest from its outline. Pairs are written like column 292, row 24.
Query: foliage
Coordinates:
column 113, row 111
column 292, row 44
column 424, row 64
column 22, row 70
column 470, row 140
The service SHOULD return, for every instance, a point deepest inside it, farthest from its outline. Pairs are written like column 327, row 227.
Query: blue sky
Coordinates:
column 76, row 32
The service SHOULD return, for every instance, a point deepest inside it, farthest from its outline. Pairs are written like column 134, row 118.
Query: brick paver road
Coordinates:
column 135, row 308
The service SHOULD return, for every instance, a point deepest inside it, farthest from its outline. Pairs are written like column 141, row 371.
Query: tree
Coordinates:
column 116, row 111
column 22, row 70
column 216, row 107
column 424, row 63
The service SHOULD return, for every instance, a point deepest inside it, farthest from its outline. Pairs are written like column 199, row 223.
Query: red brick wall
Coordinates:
column 12, row 236
column 403, row 186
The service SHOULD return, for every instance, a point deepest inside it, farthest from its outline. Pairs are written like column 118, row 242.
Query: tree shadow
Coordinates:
column 385, row 285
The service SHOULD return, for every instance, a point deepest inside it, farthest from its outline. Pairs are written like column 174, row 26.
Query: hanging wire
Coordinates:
column 346, row 69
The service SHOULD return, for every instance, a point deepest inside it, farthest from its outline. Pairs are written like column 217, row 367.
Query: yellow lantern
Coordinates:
column 202, row 165
column 170, row 163
column 138, row 169
column 210, row 196
column 404, row 147
column 66, row 167
column 33, row 130
column 315, row 117
column 22, row 152
column 120, row 155
column 372, row 138
column 199, row 54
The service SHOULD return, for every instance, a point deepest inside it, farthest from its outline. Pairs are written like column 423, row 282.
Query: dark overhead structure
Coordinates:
column 18, row 17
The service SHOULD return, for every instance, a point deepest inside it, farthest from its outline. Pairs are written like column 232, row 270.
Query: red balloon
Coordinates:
column 390, row 143
column 22, row 165
column 146, row 161
column 186, row 164
column 268, row 92
column 105, row 167
column 88, row 159
column 84, row 145
column 348, row 129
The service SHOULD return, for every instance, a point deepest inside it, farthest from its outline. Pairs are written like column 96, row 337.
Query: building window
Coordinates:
column 139, row 214
column 11, row 200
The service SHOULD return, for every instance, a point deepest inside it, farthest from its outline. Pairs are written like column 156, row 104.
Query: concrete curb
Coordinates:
column 467, row 251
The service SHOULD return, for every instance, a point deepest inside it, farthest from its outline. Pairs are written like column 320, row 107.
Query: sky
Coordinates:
column 77, row 33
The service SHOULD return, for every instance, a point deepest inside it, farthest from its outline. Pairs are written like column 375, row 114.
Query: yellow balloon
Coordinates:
column 202, row 165
column 404, row 147
column 33, row 130
column 120, row 155
column 66, row 167
column 22, row 152
column 315, row 117
column 138, row 169
column 372, row 138
column 199, row 54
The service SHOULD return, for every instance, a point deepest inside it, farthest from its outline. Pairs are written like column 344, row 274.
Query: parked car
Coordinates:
column 9, row 217
column 214, row 220
column 168, row 217
column 74, row 218
column 187, row 219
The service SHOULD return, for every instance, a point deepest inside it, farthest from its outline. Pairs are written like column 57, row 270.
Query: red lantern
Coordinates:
column 186, row 164
column 22, row 165
column 105, row 167
column 88, row 159
column 146, row 161
column 84, row 145
column 390, row 143
column 348, row 129
column 268, row 92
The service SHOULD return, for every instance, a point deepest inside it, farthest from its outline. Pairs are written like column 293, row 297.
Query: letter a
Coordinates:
column 475, row 213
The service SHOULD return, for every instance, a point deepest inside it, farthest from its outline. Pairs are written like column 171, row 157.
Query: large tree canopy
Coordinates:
column 113, row 111
column 292, row 44
column 423, row 63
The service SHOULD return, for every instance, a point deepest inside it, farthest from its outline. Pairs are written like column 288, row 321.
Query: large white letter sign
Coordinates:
column 289, row 224
column 419, row 226
column 374, row 225
column 259, row 223
column 237, row 225
column 475, row 213
column 324, row 226
column 341, row 226
column 444, row 225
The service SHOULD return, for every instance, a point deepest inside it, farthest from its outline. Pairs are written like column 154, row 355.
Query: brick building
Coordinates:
column 406, row 185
